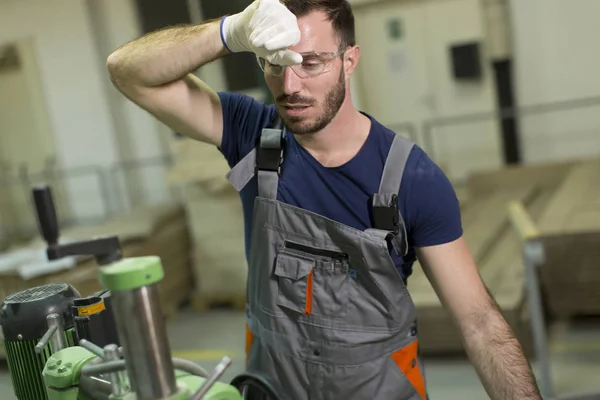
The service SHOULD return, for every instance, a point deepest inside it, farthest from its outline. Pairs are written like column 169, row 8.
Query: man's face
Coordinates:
column 307, row 104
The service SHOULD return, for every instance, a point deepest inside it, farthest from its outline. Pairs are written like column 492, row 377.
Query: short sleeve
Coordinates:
column 432, row 207
column 243, row 119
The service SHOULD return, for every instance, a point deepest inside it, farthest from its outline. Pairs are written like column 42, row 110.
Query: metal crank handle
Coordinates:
column 97, row 350
column 54, row 334
column 219, row 369
column 45, row 339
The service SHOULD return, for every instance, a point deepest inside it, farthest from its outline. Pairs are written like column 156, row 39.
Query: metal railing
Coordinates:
column 110, row 190
column 534, row 249
column 124, row 198
column 429, row 127
column 82, row 195
column 406, row 129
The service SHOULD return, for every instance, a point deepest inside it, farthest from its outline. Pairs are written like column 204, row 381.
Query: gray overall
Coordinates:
column 328, row 315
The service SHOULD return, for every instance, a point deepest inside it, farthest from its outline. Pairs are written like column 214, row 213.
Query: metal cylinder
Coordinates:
column 117, row 379
column 221, row 367
column 57, row 340
column 92, row 348
column 39, row 347
column 146, row 349
column 95, row 387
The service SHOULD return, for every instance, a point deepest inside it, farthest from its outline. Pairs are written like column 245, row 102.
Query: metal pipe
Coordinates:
column 533, row 256
column 104, row 184
column 91, row 347
column 512, row 112
column 57, row 340
column 105, row 367
column 145, row 343
column 45, row 339
column 117, row 379
column 428, row 140
column 190, row 367
column 412, row 132
column 502, row 114
column 98, row 367
column 223, row 365
column 95, row 387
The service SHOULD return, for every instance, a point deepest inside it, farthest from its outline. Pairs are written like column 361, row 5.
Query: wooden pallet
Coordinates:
column 571, row 274
column 576, row 204
column 497, row 251
column 545, row 176
column 570, row 226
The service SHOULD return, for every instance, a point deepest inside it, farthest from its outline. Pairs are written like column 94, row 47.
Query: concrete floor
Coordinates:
column 206, row 338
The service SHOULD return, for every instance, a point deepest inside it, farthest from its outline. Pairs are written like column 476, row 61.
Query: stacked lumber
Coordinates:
column 496, row 249
column 570, row 229
column 159, row 230
column 485, row 229
column 543, row 176
column 215, row 217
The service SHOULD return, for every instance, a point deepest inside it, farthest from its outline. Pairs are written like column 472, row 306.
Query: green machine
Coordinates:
column 109, row 346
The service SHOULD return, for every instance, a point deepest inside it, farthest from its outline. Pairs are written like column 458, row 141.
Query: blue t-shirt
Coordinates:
column 426, row 199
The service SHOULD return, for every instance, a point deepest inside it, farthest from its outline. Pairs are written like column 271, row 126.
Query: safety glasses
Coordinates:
column 313, row 64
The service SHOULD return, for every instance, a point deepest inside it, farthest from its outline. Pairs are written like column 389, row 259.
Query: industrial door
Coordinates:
column 406, row 73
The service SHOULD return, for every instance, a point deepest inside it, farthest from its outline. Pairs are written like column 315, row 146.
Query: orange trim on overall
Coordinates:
column 309, row 290
column 249, row 339
column 406, row 360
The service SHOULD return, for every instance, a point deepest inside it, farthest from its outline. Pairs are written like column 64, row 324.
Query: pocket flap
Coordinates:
column 292, row 266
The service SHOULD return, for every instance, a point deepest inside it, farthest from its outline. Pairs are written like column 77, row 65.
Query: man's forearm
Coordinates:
column 166, row 55
column 498, row 358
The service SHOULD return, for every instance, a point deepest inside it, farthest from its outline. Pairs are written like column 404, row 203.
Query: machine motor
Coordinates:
column 60, row 346
column 24, row 322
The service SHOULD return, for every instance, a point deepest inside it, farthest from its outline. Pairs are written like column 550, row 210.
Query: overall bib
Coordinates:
column 328, row 315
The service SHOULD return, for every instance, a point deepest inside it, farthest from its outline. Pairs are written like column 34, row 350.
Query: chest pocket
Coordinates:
column 312, row 281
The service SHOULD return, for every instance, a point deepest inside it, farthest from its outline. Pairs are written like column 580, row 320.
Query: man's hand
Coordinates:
column 266, row 28
column 489, row 341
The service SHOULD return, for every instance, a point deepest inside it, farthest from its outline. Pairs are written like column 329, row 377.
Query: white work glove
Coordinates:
column 266, row 28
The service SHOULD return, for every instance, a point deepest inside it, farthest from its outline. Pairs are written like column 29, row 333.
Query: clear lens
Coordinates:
column 312, row 65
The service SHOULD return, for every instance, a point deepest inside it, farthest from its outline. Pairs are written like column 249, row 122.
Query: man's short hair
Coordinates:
column 339, row 13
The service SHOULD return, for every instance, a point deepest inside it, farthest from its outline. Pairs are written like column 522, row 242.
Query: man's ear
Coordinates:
column 351, row 60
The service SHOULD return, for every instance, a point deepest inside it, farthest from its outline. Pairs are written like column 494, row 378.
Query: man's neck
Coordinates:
column 340, row 140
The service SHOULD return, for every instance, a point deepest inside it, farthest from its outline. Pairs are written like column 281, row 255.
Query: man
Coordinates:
column 337, row 208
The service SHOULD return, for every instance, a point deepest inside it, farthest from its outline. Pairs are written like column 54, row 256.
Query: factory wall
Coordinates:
column 71, row 85
column 23, row 120
column 556, row 59
column 405, row 75
column 90, row 125
column 139, row 136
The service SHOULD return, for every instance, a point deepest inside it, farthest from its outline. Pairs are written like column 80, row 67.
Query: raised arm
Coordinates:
column 437, row 235
column 155, row 71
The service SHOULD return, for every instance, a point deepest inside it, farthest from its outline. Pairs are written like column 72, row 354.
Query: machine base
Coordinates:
column 62, row 374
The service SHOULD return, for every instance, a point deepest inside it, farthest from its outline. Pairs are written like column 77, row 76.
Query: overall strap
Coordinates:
column 386, row 218
column 393, row 169
column 269, row 159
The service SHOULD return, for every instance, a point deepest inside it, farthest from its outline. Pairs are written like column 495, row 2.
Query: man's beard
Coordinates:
column 332, row 104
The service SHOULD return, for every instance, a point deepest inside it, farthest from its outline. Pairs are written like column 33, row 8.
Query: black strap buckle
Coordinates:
column 269, row 159
column 270, row 155
column 387, row 217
